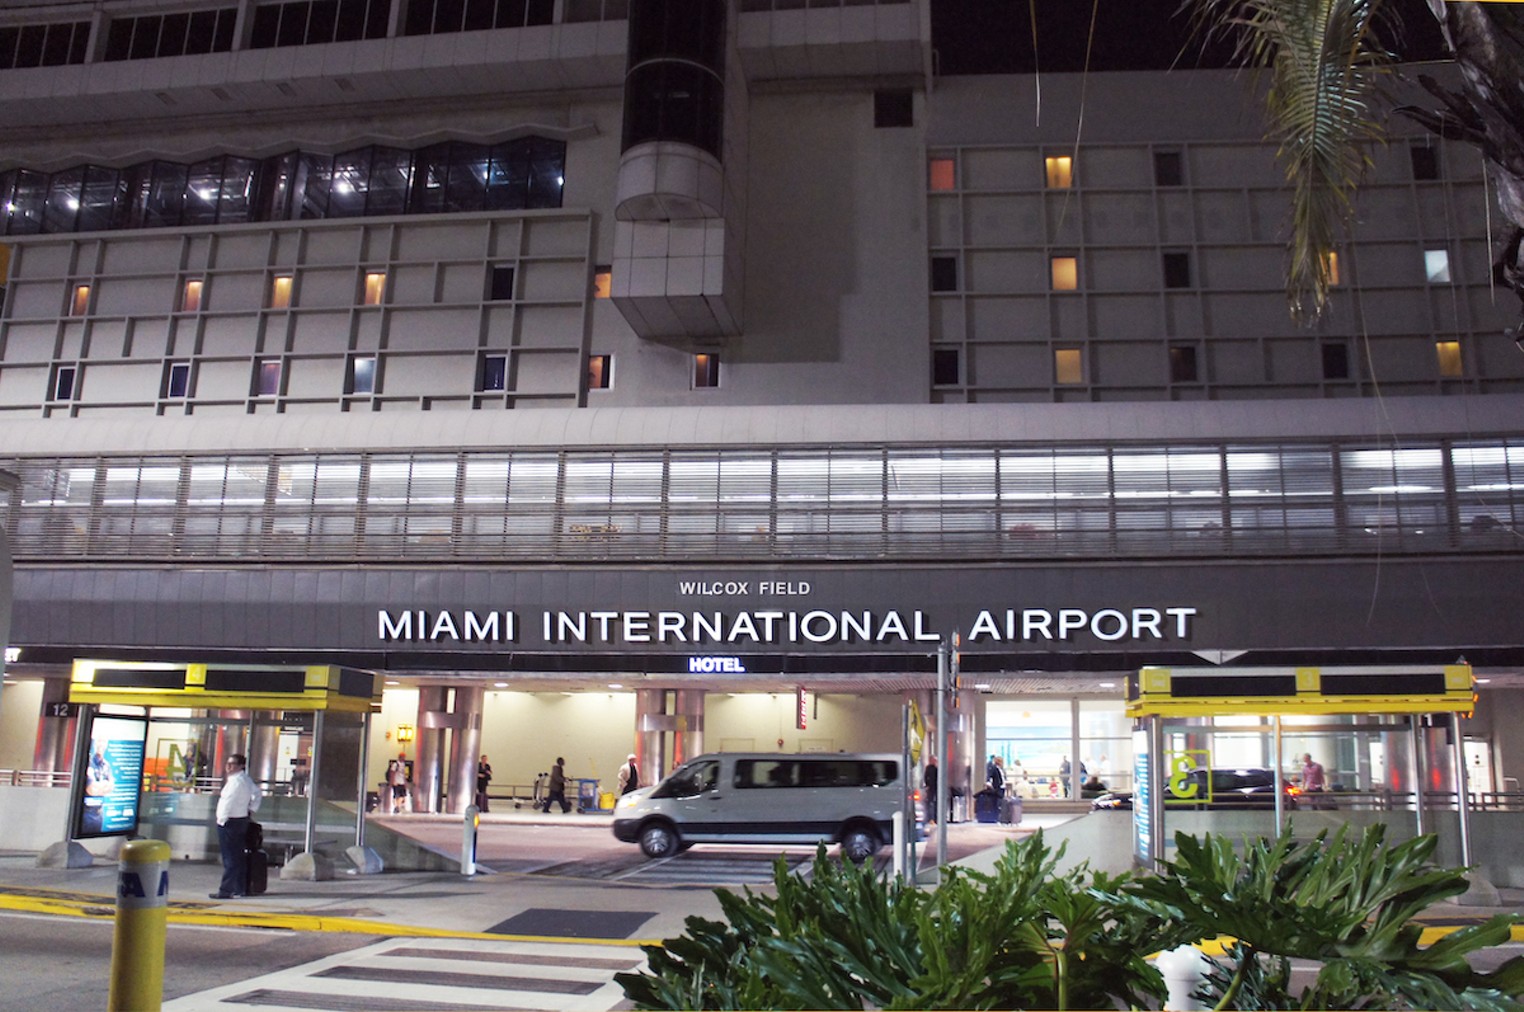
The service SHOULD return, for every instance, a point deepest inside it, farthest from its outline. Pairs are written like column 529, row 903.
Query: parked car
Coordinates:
column 1220, row 787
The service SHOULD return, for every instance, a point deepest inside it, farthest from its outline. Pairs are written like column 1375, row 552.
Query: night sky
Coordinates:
column 995, row 36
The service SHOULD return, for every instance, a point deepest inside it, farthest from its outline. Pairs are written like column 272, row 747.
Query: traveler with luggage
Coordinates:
column 238, row 801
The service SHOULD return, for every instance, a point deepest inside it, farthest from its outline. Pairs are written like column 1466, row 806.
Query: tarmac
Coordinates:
column 449, row 904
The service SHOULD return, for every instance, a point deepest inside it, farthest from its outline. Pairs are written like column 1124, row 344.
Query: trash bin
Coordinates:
column 587, row 795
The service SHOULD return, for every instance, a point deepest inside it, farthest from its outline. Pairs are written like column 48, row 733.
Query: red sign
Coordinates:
column 802, row 697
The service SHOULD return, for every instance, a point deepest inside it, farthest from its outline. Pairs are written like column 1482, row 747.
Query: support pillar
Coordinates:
column 466, row 747
column 428, row 749
column 264, row 750
column 650, row 734
column 55, row 735
column 688, row 705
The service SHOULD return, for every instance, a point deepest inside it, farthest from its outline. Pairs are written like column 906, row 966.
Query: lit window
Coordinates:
column 600, row 372
column 81, row 301
column 603, row 282
column 1449, row 354
column 267, row 377
column 177, row 380
column 1068, row 367
column 1182, row 363
column 1169, row 168
column 1335, row 360
column 1436, row 265
column 1060, row 172
column 280, row 292
column 943, row 174
column 706, row 371
column 190, row 300
column 945, row 371
column 944, row 274
column 494, row 373
column 362, row 374
column 1065, row 273
column 375, row 287
column 1331, row 266
column 1177, row 270
column 63, row 382
column 502, row 283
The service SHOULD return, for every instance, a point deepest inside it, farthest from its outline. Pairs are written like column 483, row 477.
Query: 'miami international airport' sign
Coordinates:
column 780, row 627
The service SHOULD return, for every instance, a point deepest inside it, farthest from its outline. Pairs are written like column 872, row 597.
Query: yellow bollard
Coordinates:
column 142, row 916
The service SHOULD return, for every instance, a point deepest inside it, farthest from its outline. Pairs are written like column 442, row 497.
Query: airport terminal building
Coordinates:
column 614, row 375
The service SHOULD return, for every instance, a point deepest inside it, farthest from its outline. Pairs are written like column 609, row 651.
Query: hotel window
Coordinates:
column 1425, row 161
column 1060, row 171
column 944, row 274
column 280, row 292
column 1335, row 360
column 1182, row 363
column 1169, row 168
column 63, row 386
column 945, row 371
column 706, row 371
column 79, row 305
column 1177, row 270
column 375, row 287
column 603, row 281
column 1331, row 266
column 267, row 377
column 1449, row 354
column 943, row 174
column 177, row 380
column 1436, row 265
column 493, row 373
column 600, row 372
column 893, row 107
column 362, row 375
column 190, row 299
column 1065, row 273
column 1068, row 367
column 501, row 289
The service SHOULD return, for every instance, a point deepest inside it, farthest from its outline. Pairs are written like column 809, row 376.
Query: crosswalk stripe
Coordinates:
column 454, row 975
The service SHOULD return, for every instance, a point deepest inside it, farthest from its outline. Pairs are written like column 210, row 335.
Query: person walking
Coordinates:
column 629, row 776
column 929, row 789
column 556, row 790
column 239, row 800
column 483, row 778
column 397, row 779
column 1313, row 777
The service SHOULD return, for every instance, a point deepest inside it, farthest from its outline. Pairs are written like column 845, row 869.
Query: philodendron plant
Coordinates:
column 1031, row 936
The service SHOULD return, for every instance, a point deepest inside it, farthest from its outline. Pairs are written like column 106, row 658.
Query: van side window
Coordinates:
column 690, row 782
column 766, row 773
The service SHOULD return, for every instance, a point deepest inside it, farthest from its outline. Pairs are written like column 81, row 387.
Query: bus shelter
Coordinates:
column 1222, row 750
column 304, row 730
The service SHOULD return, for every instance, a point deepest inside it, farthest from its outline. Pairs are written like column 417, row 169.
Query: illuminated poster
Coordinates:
column 113, row 777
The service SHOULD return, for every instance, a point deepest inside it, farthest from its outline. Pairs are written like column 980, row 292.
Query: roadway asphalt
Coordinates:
column 443, row 904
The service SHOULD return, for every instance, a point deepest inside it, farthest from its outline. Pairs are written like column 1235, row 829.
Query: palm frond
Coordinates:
column 1324, row 68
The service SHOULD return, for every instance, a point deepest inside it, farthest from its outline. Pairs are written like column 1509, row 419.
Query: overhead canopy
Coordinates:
column 224, row 686
column 1203, row 692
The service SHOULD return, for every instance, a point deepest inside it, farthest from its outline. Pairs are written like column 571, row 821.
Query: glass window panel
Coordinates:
column 377, row 17
column 267, row 377
column 1068, row 366
column 390, row 174
column 237, row 197
column 276, row 179
column 448, row 15
column 375, row 288
column 64, row 191
column 103, row 190
column 266, row 27
column 201, row 32
column 293, row 24
column 1065, row 271
column 1436, row 265
column 419, row 18
column 166, row 194
column 172, row 35
column 27, row 203
column 203, row 191
column 942, row 174
column 351, row 183
column 494, row 373
column 227, row 20
column 1449, row 355
column 1060, row 172
column 313, row 185
column 363, row 375
column 480, row 14
column 508, row 178
column 145, row 38
column 430, row 172
column 547, row 161
column 322, row 21
column 9, row 36
column 467, row 186
column 178, row 382
column 29, row 50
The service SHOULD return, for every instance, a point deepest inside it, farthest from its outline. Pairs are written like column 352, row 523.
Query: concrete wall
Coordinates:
column 19, row 708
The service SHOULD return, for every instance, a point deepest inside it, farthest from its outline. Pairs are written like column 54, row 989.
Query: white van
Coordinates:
column 765, row 797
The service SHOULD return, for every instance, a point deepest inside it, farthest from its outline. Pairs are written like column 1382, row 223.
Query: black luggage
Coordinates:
column 986, row 807
column 257, row 863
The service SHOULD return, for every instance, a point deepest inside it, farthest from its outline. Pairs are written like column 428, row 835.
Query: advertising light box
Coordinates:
column 113, row 777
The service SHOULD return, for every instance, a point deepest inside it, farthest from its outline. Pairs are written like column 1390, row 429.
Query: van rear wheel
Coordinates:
column 858, row 844
column 659, row 840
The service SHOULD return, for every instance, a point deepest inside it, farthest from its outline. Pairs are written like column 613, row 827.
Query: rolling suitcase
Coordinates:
column 986, row 807
column 257, row 865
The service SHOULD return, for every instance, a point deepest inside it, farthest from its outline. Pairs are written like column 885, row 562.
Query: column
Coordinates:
column 689, row 707
column 55, row 735
column 428, row 747
column 466, row 748
column 651, row 725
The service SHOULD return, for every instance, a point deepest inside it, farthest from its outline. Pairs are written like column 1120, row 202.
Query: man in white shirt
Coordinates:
column 238, row 801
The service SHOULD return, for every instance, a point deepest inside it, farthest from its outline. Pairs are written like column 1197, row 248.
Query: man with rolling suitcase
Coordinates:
column 238, row 801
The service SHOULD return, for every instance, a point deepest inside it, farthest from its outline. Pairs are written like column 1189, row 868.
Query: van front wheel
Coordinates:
column 658, row 840
column 859, row 844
